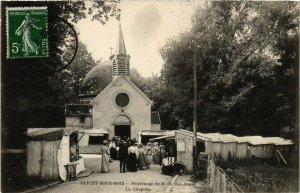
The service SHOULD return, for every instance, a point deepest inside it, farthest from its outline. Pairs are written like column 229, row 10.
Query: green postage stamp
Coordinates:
column 26, row 30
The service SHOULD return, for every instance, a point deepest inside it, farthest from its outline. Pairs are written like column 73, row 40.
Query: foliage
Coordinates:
column 34, row 90
column 262, row 176
column 162, row 96
column 68, row 81
column 247, row 64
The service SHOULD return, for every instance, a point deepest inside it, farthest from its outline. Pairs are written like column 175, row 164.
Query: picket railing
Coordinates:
column 219, row 182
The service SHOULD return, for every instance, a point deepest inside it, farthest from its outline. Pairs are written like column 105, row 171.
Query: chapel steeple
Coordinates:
column 120, row 59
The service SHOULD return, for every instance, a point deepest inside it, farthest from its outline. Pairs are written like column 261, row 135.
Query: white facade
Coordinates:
column 108, row 115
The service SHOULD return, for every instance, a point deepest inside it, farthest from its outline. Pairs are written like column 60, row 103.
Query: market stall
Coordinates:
column 50, row 149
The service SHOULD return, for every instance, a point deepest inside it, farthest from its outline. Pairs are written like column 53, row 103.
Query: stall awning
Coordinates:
column 50, row 134
column 94, row 131
column 191, row 134
column 159, row 133
column 229, row 138
column 162, row 137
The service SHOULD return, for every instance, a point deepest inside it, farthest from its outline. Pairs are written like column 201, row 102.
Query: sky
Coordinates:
column 146, row 27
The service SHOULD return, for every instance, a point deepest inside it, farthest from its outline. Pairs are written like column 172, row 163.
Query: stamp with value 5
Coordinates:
column 26, row 30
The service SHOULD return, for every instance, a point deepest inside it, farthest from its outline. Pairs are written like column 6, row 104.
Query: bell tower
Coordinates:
column 120, row 58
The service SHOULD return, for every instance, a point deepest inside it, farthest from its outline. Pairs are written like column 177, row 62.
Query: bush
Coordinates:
column 257, row 175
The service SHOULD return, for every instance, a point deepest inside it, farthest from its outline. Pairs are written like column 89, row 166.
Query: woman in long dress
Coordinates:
column 112, row 149
column 132, row 161
column 162, row 152
column 156, row 155
column 141, row 157
column 105, row 157
column 149, row 158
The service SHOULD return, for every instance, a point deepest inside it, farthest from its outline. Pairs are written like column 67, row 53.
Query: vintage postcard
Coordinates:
column 147, row 96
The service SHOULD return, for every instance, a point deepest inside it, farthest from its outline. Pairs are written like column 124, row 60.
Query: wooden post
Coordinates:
column 218, row 179
column 195, row 117
column 223, row 182
column 281, row 156
column 212, row 174
column 277, row 157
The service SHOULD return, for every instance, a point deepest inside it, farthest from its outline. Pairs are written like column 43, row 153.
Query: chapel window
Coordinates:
column 122, row 100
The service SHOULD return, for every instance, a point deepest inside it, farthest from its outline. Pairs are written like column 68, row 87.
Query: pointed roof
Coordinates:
column 120, row 47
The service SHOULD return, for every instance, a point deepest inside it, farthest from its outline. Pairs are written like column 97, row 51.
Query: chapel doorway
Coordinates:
column 123, row 131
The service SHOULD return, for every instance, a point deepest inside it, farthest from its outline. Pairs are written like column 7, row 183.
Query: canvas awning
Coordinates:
column 159, row 133
column 94, row 131
column 229, row 138
column 191, row 134
column 162, row 137
column 50, row 134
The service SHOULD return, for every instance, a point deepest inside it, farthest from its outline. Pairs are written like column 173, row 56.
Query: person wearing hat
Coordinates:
column 156, row 155
column 104, row 151
column 113, row 149
column 123, row 156
column 162, row 152
column 149, row 158
column 132, row 161
column 141, row 157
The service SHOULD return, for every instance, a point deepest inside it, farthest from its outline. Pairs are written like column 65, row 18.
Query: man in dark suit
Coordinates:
column 123, row 156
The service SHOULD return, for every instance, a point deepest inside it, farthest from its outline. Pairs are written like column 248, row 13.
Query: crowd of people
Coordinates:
column 133, row 156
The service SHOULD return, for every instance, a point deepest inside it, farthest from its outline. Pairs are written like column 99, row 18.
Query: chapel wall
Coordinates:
column 138, row 110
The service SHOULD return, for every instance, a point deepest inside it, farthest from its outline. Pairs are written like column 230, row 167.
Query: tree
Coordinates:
column 163, row 101
column 243, row 62
column 29, row 97
column 72, row 78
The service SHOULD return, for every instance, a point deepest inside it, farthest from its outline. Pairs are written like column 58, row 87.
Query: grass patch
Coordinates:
column 256, row 175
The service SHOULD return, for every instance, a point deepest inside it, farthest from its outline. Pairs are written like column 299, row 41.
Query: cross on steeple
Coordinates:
column 120, row 59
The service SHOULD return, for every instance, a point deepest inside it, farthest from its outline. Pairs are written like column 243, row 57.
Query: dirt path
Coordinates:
column 186, row 184
column 150, row 180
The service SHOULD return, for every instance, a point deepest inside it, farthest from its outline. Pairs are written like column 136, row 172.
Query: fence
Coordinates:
column 219, row 182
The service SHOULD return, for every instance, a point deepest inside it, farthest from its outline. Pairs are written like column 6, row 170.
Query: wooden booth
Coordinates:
column 184, row 147
column 225, row 147
column 50, row 150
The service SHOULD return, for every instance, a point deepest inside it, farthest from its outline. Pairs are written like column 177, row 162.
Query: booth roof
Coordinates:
column 159, row 133
column 94, row 131
column 227, row 138
column 163, row 137
column 191, row 134
column 50, row 134
column 258, row 140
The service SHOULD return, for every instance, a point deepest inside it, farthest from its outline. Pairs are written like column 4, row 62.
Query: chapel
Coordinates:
column 117, row 109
